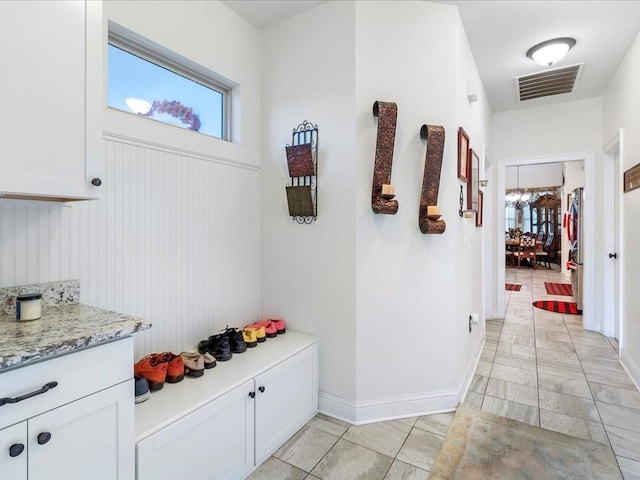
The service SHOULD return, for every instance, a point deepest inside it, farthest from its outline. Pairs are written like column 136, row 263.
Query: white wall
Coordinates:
column 414, row 291
column 389, row 304
column 308, row 271
column 534, row 176
column 620, row 102
column 555, row 130
column 175, row 238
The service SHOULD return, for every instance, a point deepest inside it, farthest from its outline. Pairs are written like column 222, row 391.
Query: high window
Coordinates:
column 157, row 85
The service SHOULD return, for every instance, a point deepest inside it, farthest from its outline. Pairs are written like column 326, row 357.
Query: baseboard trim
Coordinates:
column 386, row 409
column 470, row 369
column 632, row 369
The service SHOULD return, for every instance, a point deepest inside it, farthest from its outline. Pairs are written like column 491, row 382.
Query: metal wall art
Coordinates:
column 302, row 160
column 429, row 214
column 383, row 192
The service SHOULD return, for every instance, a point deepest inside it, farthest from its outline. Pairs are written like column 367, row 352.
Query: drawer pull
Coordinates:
column 262, row 389
column 43, row 438
column 16, row 449
column 252, row 394
column 44, row 389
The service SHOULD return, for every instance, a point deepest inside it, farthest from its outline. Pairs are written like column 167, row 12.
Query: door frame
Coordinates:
column 613, row 176
column 589, row 317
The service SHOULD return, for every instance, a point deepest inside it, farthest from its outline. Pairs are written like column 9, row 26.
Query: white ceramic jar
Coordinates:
column 28, row 306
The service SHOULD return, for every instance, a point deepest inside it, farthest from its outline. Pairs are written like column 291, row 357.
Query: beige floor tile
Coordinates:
column 382, row 437
column 514, row 392
column 348, row 460
column 617, row 396
column 273, row 468
column 306, row 448
column 438, row 423
column 420, row 449
column 403, row 471
column 617, row 416
column 625, row 443
column 514, row 374
column 574, row 426
column 513, row 410
column 569, row 405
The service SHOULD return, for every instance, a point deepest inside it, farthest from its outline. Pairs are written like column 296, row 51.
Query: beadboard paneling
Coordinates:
column 175, row 239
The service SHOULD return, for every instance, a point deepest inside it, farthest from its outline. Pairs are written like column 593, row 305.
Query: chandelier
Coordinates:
column 516, row 198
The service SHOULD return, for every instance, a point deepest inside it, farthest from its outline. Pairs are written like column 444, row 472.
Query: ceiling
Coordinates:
column 501, row 32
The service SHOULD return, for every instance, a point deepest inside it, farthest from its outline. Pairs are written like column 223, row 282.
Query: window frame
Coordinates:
column 135, row 44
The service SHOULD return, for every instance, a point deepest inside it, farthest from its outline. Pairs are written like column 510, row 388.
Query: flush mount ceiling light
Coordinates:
column 552, row 51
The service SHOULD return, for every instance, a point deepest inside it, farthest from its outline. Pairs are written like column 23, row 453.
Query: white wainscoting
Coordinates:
column 175, row 239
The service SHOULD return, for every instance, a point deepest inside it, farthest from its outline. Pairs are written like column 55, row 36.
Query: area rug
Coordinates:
column 559, row 289
column 569, row 308
column 483, row 446
column 512, row 286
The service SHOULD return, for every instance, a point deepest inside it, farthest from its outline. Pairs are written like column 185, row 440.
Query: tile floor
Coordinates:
column 537, row 367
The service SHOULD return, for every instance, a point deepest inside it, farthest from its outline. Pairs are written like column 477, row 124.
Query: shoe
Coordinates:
column 218, row 346
column 141, row 389
column 153, row 369
column 208, row 360
column 236, row 342
column 249, row 337
column 261, row 336
column 193, row 364
column 280, row 325
column 269, row 328
column 175, row 367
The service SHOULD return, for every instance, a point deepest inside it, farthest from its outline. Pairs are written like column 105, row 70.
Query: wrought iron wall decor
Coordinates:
column 429, row 214
column 383, row 192
column 302, row 160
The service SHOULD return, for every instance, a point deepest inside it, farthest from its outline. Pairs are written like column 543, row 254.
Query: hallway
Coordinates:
column 542, row 368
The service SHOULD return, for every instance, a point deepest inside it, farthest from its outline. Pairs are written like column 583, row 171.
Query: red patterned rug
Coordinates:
column 559, row 289
column 512, row 286
column 569, row 308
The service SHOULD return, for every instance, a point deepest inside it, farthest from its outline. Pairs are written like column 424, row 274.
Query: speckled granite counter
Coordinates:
column 63, row 328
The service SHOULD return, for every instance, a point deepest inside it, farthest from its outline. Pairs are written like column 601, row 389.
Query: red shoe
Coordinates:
column 269, row 328
column 153, row 369
column 279, row 324
column 175, row 366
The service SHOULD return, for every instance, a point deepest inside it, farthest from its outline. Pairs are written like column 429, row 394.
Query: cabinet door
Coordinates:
column 43, row 105
column 213, row 442
column 91, row 438
column 11, row 438
column 286, row 398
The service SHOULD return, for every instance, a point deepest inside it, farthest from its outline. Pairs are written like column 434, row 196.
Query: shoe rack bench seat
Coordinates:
column 224, row 424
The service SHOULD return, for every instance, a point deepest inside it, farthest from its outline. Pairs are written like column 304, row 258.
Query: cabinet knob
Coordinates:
column 96, row 182
column 43, row 438
column 252, row 394
column 262, row 389
column 16, row 449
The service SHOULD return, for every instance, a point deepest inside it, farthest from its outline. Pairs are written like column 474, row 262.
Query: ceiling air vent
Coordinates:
column 549, row 82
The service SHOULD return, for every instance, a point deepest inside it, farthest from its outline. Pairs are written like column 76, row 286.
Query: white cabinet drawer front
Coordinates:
column 14, row 468
column 214, row 442
column 78, row 375
column 289, row 400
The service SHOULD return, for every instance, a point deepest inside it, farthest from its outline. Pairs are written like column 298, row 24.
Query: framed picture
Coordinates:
column 472, row 181
column 480, row 208
column 463, row 155
column 631, row 178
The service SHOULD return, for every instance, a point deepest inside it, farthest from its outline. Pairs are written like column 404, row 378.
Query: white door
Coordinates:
column 13, row 452
column 286, row 398
column 91, row 438
column 616, row 242
column 214, row 442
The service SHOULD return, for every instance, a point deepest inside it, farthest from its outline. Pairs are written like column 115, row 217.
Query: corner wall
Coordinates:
column 620, row 110
column 308, row 271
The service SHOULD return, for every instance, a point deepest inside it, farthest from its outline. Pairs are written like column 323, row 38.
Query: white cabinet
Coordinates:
column 51, row 108
column 235, row 416
column 77, row 441
column 80, row 429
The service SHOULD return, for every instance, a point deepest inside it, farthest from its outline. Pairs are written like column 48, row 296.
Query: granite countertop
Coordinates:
column 62, row 329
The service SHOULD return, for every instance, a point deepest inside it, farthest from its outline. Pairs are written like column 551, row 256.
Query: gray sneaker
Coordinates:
column 142, row 389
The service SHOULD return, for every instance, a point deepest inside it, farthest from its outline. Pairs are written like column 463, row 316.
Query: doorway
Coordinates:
column 590, row 320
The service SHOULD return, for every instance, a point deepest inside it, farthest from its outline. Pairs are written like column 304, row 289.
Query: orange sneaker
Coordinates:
column 153, row 369
column 261, row 335
column 175, row 366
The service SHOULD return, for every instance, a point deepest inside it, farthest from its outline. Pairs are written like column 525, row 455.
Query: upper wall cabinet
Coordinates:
column 50, row 127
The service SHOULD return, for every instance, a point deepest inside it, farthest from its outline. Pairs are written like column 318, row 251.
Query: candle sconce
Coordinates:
column 429, row 213
column 383, row 192
column 302, row 161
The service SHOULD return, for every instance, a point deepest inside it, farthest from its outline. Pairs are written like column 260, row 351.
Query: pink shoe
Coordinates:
column 279, row 324
column 269, row 328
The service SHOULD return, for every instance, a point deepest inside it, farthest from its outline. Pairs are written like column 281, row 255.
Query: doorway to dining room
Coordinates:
column 554, row 176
